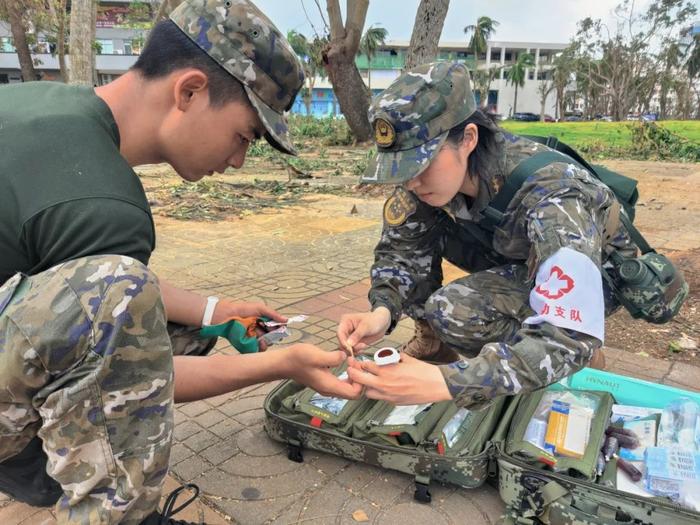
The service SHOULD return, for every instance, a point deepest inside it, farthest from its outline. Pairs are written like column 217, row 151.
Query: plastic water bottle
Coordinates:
column 679, row 422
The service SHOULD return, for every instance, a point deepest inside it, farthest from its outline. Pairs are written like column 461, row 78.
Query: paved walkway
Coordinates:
column 313, row 260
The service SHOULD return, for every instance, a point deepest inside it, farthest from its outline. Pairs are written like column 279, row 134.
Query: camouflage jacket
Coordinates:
column 561, row 205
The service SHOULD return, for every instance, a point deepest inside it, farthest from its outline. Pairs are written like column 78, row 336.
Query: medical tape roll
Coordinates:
column 387, row 356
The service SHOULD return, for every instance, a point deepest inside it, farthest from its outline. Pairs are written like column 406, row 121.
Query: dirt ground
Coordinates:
column 668, row 214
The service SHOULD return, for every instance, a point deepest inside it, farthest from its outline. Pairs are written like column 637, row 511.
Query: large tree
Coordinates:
column 562, row 74
column 58, row 18
column 82, row 42
column 427, row 29
column 339, row 62
column 14, row 12
column 544, row 90
column 623, row 61
column 370, row 42
column 518, row 73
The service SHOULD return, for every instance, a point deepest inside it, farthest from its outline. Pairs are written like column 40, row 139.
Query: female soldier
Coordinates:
column 532, row 309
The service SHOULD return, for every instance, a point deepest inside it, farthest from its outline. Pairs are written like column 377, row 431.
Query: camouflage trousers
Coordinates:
column 86, row 366
column 485, row 307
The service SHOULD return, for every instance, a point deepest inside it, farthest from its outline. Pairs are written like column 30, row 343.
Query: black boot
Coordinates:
column 23, row 477
column 164, row 517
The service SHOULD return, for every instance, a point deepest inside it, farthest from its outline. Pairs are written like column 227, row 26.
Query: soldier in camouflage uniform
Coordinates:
column 532, row 310
column 94, row 348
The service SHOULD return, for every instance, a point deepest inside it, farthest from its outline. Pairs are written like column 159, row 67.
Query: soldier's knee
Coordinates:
column 115, row 287
column 455, row 308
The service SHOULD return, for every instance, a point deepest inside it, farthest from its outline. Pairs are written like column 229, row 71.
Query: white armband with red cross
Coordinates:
column 568, row 293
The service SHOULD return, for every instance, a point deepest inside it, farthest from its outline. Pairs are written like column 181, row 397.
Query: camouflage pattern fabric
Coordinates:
column 468, row 472
column 561, row 205
column 413, row 116
column 650, row 286
column 86, row 364
column 240, row 38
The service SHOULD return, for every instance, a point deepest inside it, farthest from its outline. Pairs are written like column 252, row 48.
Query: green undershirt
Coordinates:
column 65, row 190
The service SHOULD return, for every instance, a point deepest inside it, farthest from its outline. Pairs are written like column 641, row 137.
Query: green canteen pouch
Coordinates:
column 525, row 438
column 463, row 432
column 407, row 425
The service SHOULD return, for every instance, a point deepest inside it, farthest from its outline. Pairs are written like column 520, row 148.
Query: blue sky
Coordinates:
column 520, row 20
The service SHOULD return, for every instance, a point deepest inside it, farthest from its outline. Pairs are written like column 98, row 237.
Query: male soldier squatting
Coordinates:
column 532, row 310
column 94, row 349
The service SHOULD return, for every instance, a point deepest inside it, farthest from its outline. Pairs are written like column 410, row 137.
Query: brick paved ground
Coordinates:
column 313, row 260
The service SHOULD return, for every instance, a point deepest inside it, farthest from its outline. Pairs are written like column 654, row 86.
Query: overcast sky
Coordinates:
column 520, row 20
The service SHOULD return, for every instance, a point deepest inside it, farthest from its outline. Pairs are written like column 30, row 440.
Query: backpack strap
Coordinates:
column 493, row 214
column 561, row 147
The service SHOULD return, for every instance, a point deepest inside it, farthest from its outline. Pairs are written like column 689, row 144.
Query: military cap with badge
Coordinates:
column 242, row 40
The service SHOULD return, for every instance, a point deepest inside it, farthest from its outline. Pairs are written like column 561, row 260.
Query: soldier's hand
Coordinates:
column 311, row 366
column 359, row 330
column 408, row 382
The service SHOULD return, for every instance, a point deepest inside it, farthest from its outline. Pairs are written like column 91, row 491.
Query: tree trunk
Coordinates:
column 427, row 29
column 339, row 60
column 93, row 26
column 20, row 41
column 306, row 97
column 515, row 100
column 61, row 40
column 543, row 104
column 82, row 40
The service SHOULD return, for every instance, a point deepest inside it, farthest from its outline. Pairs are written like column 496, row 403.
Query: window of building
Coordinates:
column 105, row 47
column 531, row 75
column 495, row 55
column 6, row 45
column 543, row 75
column 4, row 79
column 128, row 50
column 509, row 55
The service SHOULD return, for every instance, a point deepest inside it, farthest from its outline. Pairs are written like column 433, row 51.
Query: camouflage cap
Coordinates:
column 239, row 37
column 413, row 116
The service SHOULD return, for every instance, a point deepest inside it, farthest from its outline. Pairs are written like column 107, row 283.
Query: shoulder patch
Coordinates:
column 399, row 207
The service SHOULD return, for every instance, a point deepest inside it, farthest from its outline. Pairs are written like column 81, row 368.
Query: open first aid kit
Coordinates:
column 596, row 448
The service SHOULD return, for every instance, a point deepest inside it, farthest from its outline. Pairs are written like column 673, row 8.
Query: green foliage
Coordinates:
column 516, row 74
column 332, row 131
column 261, row 148
column 621, row 139
column 371, row 40
column 650, row 140
column 480, row 34
column 360, row 165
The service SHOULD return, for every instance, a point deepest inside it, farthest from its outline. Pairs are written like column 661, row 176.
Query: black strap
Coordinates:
column 636, row 235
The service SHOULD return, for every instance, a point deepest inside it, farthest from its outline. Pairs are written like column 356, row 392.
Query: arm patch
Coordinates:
column 399, row 207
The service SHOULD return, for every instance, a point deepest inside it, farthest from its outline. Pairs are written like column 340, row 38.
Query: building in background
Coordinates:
column 389, row 61
column 121, row 33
